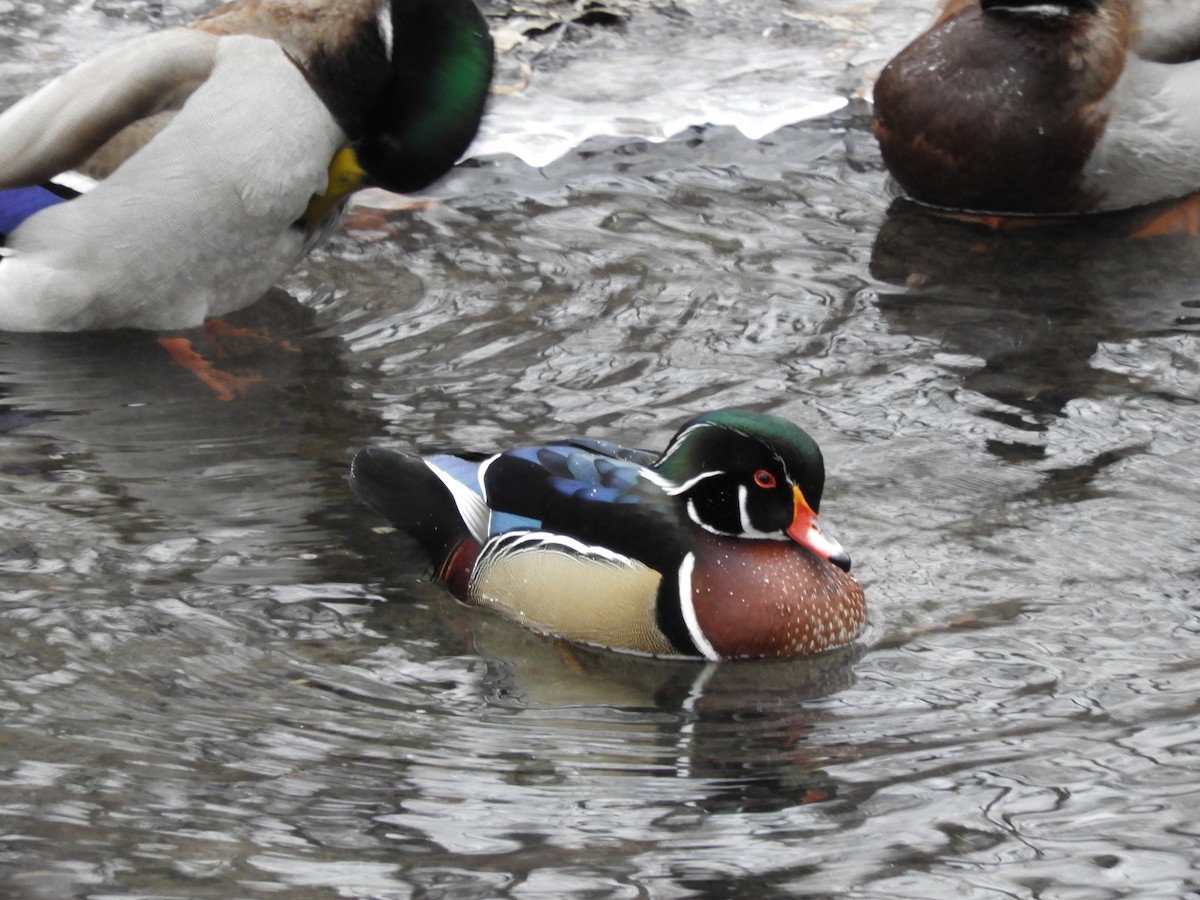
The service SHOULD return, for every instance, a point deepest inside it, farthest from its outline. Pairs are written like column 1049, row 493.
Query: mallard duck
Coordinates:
column 1046, row 106
column 221, row 151
column 710, row 549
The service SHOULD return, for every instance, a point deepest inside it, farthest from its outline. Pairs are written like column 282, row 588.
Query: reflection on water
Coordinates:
column 219, row 678
column 1036, row 303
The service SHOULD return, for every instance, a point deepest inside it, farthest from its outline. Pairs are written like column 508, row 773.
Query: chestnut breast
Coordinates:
column 765, row 598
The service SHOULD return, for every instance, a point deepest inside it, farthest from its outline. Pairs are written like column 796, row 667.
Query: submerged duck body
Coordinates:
column 708, row 550
column 1046, row 106
column 223, row 150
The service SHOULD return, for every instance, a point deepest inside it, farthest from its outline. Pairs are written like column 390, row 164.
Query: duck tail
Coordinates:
column 422, row 500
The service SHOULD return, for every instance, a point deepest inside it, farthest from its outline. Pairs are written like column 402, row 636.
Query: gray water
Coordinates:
column 220, row 678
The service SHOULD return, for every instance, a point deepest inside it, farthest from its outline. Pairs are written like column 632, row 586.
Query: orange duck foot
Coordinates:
column 226, row 385
column 218, row 330
column 1001, row 222
column 1180, row 217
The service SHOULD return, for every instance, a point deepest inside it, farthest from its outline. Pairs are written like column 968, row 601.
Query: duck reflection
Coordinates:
column 1034, row 303
column 742, row 731
column 147, row 453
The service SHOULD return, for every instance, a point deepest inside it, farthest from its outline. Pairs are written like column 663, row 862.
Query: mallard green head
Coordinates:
column 427, row 112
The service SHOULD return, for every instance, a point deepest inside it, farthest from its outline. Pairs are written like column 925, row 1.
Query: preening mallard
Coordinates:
column 221, row 151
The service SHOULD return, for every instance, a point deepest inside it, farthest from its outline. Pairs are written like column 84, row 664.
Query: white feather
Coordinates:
column 471, row 507
column 1148, row 149
column 197, row 223
column 56, row 127
column 689, row 609
column 384, row 22
column 549, row 542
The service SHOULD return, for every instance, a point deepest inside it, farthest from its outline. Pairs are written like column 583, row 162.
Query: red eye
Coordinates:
column 764, row 479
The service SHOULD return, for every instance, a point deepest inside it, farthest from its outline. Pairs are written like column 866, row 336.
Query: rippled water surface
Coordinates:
column 219, row 679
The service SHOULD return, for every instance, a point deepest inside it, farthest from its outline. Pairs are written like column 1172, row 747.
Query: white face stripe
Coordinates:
column 655, row 479
column 695, row 517
column 675, row 489
column 689, row 611
column 748, row 529
column 383, row 20
column 679, row 438
column 743, row 512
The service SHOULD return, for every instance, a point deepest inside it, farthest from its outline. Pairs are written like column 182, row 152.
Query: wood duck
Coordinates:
column 710, row 549
column 221, row 151
column 1046, row 106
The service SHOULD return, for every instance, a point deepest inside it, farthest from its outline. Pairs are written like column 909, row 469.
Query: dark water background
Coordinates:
column 218, row 678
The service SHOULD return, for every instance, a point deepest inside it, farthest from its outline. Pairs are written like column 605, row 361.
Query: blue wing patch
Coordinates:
column 574, row 489
column 18, row 204
column 525, row 487
column 600, row 447
column 578, row 471
column 503, row 523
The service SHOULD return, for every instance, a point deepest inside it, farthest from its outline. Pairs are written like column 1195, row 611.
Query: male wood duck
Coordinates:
column 710, row 549
column 221, row 151
column 1046, row 106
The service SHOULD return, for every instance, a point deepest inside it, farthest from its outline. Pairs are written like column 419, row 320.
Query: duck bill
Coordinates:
column 805, row 531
